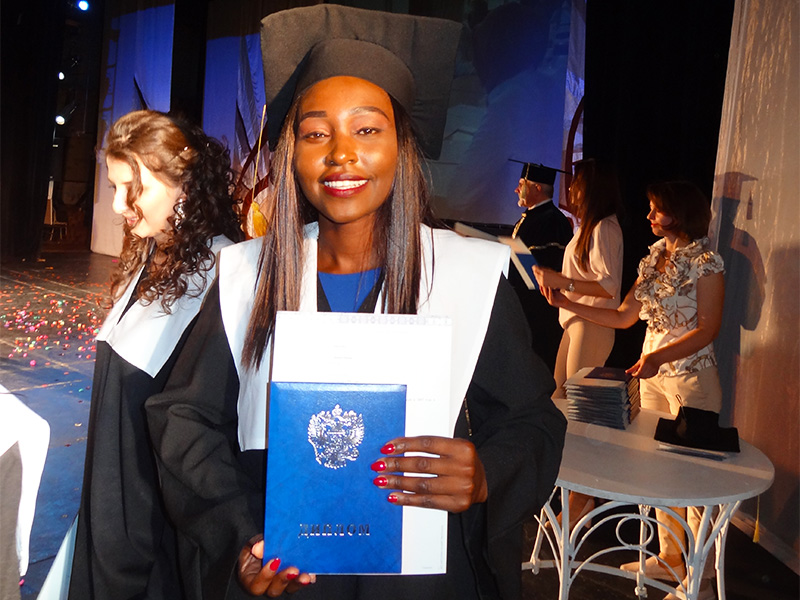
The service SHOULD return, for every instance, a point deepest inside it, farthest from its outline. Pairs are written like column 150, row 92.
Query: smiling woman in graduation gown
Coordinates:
column 171, row 184
column 335, row 212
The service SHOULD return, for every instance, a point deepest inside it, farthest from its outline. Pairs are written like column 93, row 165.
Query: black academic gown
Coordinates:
column 124, row 546
column 215, row 493
column 546, row 231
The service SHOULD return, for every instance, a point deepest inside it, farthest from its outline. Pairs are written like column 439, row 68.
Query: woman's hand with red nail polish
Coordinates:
column 267, row 579
column 450, row 474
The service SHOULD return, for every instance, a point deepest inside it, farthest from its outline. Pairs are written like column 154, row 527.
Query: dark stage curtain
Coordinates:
column 655, row 79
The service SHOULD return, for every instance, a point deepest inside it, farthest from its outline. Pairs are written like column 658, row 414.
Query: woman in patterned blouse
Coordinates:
column 679, row 292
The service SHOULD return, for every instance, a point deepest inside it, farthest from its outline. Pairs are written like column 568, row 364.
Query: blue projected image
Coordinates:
column 514, row 96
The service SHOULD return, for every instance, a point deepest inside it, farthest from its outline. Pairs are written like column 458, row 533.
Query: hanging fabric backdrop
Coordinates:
column 756, row 214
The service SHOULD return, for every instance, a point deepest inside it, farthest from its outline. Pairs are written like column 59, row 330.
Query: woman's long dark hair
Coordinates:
column 396, row 235
column 597, row 185
column 180, row 155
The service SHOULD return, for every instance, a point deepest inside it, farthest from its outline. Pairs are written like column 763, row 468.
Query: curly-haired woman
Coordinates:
column 172, row 185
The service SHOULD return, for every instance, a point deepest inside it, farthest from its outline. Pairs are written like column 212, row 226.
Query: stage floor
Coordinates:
column 50, row 315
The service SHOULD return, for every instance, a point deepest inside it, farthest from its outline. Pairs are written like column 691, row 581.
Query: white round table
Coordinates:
column 627, row 469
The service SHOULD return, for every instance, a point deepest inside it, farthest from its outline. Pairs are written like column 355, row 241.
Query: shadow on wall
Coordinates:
column 768, row 409
column 744, row 285
column 781, row 392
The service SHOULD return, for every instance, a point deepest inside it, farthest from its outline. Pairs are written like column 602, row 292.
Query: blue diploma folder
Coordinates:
column 527, row 262
column 323, row 513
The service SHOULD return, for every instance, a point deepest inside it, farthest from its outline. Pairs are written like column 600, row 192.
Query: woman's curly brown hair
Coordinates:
column 180, row 155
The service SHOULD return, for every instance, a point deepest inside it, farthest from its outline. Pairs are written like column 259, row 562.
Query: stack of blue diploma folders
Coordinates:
column 602, row 396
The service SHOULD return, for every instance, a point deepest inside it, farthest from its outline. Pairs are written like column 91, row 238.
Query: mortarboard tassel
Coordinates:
column 757, row 528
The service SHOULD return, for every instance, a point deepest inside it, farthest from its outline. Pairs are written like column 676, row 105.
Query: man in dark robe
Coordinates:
column 546, row 231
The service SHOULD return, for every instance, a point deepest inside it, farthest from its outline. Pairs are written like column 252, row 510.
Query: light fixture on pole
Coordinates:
column 65, row 114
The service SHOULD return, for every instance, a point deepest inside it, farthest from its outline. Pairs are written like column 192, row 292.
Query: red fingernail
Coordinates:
column 305, row 582
column 380, row 481
column 388, row 449
column 273, row 566
column 291, row 576
column 392, row 498
column 378, row 465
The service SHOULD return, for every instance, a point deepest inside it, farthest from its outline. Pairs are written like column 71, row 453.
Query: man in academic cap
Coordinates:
column 546, row 231
column 543, row 227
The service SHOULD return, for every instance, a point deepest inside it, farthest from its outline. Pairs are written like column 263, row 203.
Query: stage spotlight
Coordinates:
column 65, row 114
column 83, row 5
column 61, row 76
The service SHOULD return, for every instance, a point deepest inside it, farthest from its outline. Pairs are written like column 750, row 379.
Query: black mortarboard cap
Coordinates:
column 412, row 58
column 537, row 172
column 697, row 428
